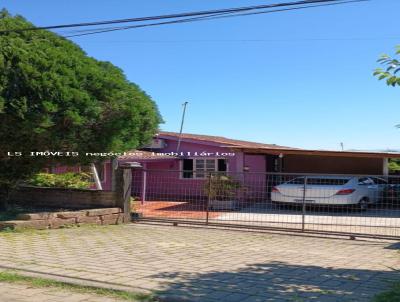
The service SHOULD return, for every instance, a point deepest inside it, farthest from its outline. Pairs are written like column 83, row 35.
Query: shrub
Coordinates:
column 66, row 180
column 222, row 187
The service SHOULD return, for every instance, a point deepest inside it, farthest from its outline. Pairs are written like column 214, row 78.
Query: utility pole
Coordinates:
column 182, row 121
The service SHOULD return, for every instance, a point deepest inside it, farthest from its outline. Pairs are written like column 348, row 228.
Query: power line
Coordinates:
column 351, row 39
column 99, row 31
column 203, row 18
column 199, row 14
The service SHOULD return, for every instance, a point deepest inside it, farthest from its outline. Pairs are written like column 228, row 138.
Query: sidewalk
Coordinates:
column 13, row 292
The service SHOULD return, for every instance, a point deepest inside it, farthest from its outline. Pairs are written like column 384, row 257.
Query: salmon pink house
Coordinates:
column 176, row 165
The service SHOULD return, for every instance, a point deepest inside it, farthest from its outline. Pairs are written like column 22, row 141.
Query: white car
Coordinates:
column 330, row 190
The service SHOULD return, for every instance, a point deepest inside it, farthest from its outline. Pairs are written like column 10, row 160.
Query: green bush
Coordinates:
column 66, row 180
column 222, row 187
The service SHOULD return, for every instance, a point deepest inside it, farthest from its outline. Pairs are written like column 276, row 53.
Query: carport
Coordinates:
column 324, row 161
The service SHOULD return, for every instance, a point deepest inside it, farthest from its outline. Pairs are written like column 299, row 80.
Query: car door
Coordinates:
column 370, row 188
column 382, row 185
column 292, row 188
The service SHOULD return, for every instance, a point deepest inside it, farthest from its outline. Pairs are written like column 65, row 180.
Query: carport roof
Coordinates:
column 352, row 153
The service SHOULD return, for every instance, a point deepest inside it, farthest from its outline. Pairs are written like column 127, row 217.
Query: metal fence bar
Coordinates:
column 208, row 198
column 303, row 202
column 303, row 216
column 281, row 173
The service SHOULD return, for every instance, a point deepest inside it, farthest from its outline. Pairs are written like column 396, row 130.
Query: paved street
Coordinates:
column 199, row 264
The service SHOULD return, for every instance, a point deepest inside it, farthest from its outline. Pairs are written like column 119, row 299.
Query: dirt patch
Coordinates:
column 176, row 210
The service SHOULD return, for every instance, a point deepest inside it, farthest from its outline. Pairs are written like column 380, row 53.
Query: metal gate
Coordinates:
column 355, row 205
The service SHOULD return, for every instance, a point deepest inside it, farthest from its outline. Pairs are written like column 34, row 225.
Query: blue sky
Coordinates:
column 306, row 82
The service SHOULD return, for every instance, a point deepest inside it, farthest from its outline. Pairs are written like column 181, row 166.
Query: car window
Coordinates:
column 365, row 181
column 379, row 181
column 296, row 181
column 327, row 181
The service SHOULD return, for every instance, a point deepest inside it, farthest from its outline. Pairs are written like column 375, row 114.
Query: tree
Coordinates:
column 53, row 97
column 394, row 165
column 392, row 70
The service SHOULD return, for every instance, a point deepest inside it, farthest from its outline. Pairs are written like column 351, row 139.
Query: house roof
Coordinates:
column 253, row 147
column 221, row 140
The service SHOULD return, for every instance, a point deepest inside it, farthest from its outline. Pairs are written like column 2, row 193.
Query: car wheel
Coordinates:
column 363, row 204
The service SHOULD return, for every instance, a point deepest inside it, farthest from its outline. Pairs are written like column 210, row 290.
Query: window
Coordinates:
column 327, row 181
column 365, row 181
column 198, row 168
column 297, row 181
column 320, row 181
column 379, row 181
column 187, row 168
column 222, row 165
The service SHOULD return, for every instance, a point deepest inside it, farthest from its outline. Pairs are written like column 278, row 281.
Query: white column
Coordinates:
column 96, row 177
column 385, row 166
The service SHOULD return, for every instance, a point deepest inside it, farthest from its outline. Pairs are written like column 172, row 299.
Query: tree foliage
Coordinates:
column 394, row 165
column 391, row 72
column 54, row 97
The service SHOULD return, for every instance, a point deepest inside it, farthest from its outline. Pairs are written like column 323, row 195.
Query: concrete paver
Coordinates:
column 201, row 264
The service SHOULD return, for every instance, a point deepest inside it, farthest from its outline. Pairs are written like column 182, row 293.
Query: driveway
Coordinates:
column 374, row 221
column 200, row 264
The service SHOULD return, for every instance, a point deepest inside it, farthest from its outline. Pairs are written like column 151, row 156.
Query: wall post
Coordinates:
column 123, row 188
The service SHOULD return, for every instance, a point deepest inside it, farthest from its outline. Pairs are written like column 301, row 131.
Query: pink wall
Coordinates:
column 255, row 179
column 163, row 180
column 203, row 148
column 106, row 183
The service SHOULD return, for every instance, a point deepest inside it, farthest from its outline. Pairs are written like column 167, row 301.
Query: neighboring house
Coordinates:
column 104, row 172
column 175, row 173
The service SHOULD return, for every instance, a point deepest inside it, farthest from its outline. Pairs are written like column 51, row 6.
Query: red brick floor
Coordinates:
column 175, row 209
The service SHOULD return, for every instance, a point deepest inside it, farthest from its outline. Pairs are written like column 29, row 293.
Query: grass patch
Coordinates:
column 11, row 277
column 391, row 295
column 86, row 226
